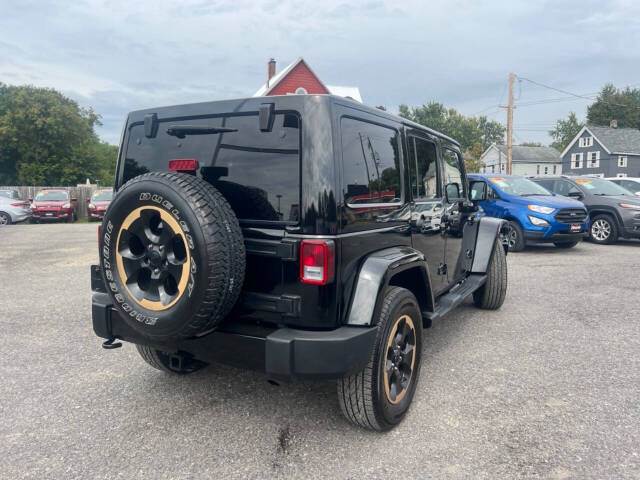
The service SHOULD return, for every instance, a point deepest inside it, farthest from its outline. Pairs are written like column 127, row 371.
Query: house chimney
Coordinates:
column 613, row 123
column 271, row 70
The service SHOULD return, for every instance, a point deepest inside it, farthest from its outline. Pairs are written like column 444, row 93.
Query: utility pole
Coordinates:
column 510, row 123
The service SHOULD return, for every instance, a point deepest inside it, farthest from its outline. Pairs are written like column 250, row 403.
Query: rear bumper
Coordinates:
column 540, row 237
column 284, row 354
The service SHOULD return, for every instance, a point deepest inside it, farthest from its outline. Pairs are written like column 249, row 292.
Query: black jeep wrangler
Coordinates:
column 307, row 236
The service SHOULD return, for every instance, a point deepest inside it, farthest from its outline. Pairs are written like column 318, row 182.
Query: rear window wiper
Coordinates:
column 181, row 131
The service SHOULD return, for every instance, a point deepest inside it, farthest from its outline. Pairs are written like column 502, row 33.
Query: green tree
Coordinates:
column 615, row 104
column 48, row 139
column 565, row 131
column 468, row 131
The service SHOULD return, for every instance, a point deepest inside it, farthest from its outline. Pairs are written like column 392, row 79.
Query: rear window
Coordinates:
column 258, row 172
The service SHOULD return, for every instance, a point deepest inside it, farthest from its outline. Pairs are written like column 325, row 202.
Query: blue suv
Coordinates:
column 534, row 214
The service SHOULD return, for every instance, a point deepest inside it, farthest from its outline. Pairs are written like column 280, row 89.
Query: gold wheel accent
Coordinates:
column 397, row 368
column 169, row 221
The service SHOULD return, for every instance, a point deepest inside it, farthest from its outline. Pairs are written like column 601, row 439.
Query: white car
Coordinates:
column 630, row 183
column 13, row 210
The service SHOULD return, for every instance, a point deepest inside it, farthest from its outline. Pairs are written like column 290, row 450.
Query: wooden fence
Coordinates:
column 82, row 193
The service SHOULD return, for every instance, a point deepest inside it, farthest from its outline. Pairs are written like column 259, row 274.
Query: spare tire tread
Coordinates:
column 226, row 266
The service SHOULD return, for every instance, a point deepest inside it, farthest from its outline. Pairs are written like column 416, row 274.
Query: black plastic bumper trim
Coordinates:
column 538, row 237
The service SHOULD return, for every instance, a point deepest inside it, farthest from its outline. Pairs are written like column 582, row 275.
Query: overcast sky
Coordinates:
column 118, row 56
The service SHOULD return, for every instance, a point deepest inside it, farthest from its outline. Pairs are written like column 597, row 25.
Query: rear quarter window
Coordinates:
column 258, row 172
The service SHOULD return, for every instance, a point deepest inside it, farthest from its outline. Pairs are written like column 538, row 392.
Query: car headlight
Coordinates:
column 541, row 209
column 632, row 206
column 33, row 206
column 538, row 222
column 66, row 205
column 92, row 206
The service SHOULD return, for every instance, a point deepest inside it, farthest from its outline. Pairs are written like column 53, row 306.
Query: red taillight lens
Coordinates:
column 18, row 204
column 317, row 261
column 183, row 164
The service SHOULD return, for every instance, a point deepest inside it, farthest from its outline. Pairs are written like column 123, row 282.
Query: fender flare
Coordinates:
column 374, row 276
column 488, row 230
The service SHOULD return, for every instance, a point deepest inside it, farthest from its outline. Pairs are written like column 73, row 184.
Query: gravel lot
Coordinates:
column 546, row 387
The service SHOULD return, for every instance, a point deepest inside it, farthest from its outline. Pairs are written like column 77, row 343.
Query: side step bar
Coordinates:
column 455, row 296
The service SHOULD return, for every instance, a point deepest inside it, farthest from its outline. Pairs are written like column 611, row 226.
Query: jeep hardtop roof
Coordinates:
column 295, row 102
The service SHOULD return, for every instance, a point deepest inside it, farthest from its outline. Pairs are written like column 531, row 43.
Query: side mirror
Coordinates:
column 478, row 191
column 452, row 192
column 88, row 200
column 576, row 195
column 30, row 199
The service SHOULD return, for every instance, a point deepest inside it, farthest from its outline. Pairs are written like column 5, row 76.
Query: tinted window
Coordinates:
column 423, row 169
column 370, row 163
column 257, row 172
column 477, row 189
column 548, row 184
column 562, row 187
column 453, row 170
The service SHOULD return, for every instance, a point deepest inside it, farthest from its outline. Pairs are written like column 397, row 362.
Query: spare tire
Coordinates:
column 172, row 255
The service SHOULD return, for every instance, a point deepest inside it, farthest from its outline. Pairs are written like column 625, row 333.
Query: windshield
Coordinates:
column 102, row 196
column 598, row 186
column 52, row 196
column 518, row 186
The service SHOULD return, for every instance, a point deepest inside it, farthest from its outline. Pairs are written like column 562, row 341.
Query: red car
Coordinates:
column 53, row 205
column 98, row 204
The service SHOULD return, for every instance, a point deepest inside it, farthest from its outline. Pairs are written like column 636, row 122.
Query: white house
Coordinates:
column 524, row 160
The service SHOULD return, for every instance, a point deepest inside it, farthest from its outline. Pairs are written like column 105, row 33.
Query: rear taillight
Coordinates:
column 317, row 259
column 183, row 164
column 18, row 204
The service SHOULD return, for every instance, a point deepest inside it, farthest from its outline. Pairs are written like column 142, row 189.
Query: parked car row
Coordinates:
column 559, row 209
column 50, row 205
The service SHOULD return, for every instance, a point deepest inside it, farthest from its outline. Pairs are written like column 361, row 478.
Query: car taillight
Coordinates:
column 18, row 204
column 183, row 164
column 317, row 261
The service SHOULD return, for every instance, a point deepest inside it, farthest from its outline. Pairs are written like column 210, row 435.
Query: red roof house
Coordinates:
column 299, row 79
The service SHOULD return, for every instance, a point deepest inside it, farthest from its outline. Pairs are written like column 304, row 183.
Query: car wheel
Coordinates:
column 378, row 397
column 167, row 362
column 173, row 255
column 514, row 237
column 34, row 220
column 491, row 295
column 603, row 230
column 565, row 244
column 5, row 219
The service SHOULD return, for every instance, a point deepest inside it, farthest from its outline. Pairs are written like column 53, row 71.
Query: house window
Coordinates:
column 621, row 175
column 593, row 159
column 301, row 91
column 554, row 169
column 622, row 161
column 585, row 141
column 576, row 160
column 538, row 169
column 546, row 170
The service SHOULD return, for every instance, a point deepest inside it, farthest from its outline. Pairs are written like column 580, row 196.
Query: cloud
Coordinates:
column 119, row 56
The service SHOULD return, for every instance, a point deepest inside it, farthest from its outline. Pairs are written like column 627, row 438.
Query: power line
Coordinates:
column 575, row 94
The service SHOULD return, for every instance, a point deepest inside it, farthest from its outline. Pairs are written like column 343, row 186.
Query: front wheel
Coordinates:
column 565, row 244
column 603, row 230
column 5, row 219
column 378, row 397
column 491, row 295
column 514, row 237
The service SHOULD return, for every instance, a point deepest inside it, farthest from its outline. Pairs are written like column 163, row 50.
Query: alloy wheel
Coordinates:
column 511, row 237
column 400, row 359
column 4, row 219
column 600, row 230
column 153, row 258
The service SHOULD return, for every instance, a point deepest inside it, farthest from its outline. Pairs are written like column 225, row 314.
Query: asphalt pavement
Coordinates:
column 546, row 387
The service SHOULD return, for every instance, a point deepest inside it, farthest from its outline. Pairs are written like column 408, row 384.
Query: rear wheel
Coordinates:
column 514, row 237
column 167, row 362
column 491, row 295
column 378, row 397
column 5, row 219
column 603, row 230
column 565, row 244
